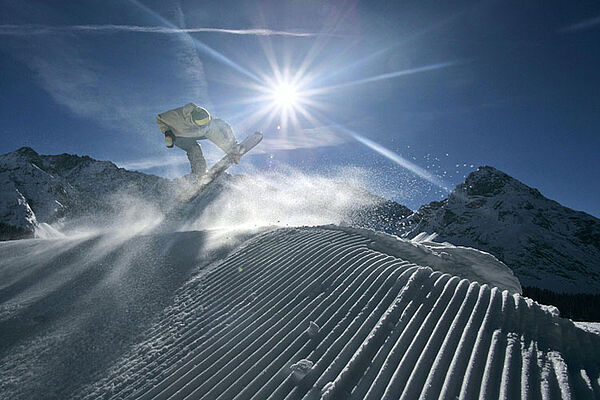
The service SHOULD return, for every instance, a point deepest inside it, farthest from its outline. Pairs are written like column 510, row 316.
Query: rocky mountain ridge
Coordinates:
column 38, row 189
column 547, row 245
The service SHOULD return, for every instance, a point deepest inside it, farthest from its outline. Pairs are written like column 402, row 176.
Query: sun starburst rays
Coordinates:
column 286, row 100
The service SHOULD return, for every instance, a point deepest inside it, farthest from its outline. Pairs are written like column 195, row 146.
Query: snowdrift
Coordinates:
column 321, row 312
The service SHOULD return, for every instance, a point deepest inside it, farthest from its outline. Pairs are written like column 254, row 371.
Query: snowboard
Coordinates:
column 220, row 166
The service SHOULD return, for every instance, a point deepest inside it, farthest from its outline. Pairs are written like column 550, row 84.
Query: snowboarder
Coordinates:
column 185, row 125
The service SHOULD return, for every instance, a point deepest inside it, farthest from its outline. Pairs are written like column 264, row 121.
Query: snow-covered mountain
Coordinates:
column 38, row 189
column 547, row 245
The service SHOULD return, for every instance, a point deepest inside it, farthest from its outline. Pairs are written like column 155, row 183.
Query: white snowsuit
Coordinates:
column 186, row 132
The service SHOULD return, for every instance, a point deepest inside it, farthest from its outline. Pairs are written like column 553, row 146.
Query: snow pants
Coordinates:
column 194, row 154
column 218, row 132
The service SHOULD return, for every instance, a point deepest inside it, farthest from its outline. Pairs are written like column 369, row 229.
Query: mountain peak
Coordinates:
column 549, row 246
column 489, row 181
column 486, row 170
column 27, row 151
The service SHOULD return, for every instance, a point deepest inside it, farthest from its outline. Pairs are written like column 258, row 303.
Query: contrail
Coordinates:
column 586, row 24
column 17, row 30
column 201, row 46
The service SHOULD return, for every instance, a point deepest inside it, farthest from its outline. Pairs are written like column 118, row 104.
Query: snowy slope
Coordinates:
column 593, row 327
column 288, row 313
column 547, row 245
column 70, row 307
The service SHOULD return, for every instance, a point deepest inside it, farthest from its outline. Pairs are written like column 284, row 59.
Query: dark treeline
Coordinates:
column 578, row 307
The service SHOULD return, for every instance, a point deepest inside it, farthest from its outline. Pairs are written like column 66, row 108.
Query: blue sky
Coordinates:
column 414, row 94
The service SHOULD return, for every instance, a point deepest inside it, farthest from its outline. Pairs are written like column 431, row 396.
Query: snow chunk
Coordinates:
column 591, row 327
column 424, row 237
column 301, row 369
column 327, row 391
column 313, row 329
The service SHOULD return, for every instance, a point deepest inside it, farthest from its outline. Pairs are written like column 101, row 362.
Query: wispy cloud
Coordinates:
column 83, row 80
column 580, row 26
column 201, row 46
column 69, row 79
column 189, row 60
column 153, row 162
column 50, row 29
column 78, row 82
column 301, row 139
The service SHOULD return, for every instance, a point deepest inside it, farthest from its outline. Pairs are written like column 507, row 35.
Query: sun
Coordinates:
column 285, row 95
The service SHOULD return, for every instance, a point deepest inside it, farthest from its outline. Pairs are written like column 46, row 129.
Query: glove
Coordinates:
column 169, row 139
